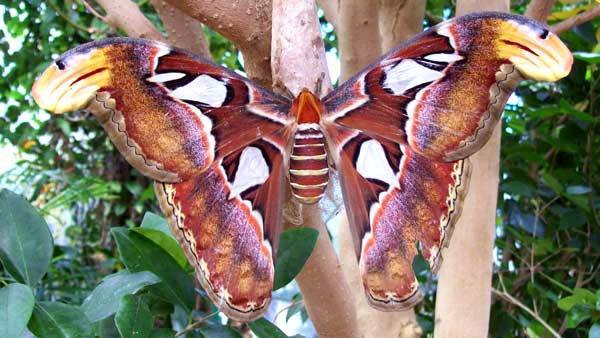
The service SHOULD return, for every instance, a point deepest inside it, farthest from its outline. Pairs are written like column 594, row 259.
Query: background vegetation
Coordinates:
column 96, row 270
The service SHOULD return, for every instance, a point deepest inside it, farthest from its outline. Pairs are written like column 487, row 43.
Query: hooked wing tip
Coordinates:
column 537, row 53
column 72, row 81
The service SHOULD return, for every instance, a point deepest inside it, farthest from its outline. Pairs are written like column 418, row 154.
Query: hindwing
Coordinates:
column 397, row 202
column 227, row 222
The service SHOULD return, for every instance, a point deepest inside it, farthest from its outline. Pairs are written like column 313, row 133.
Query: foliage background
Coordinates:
column 548, row 228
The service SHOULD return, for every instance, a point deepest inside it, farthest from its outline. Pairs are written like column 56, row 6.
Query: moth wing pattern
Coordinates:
column 213, row 141
column 169, row 112
column 397, row 202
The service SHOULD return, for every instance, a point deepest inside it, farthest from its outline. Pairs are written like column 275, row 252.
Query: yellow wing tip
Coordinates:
column 538, row 57
column 71, row 86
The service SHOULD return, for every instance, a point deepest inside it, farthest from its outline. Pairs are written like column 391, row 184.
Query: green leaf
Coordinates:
column 25, row 240
column 568, row 109
column 577, row 315
column 16, row 306
column 107, row 328
column 58, row 320
column 571, row 219
column 568, row 302
column 169, row 244
column 155, row 222
column 296, row 306
column 133, row 318
column 594, row 331
column 141, row 254
column 263, row 328
column 518, row 188
column 104, row 299
column 295, row 246
column 219, row 332
column 579, row 297
column 553, row 183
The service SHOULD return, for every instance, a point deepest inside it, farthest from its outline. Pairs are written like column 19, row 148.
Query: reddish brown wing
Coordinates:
column 395, row 200
column 214, row 141
column 443, row 91
column 227, row 221
column 169, row 112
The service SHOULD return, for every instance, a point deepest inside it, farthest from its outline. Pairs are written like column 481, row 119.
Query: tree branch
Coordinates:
column 126, row 15
column 246, row 23
column 184, row 31
column 507, row 297
column 539, row 9
column 576, row 20
column 298, row 58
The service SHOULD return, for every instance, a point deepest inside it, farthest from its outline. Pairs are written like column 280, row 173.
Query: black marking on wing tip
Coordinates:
column 60, row 64
column 382, row 81
column 262, row 147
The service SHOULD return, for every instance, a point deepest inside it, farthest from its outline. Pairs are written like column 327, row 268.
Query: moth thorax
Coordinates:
column 309, row 171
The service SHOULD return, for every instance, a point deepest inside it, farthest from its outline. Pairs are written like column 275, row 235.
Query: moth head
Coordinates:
column 536, row 52
column 307, row 107
column 71, row 82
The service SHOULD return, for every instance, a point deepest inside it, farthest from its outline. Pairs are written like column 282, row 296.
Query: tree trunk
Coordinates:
column 358, row 35
column 464, row 288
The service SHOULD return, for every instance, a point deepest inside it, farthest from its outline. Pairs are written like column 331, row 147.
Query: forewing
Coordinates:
column 227, row 221
column 443, row 91
column 169, row 112
column 396, row 201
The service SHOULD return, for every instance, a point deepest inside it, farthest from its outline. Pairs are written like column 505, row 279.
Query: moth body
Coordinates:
column 309, row 168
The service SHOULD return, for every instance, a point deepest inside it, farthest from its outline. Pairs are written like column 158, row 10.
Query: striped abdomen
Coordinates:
column 309, row 171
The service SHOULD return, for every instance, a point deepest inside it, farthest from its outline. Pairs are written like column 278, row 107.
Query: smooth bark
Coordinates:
column 358, row 35
column 399, row 21
column 539, row 9
column 126, row 15
column 576, row 20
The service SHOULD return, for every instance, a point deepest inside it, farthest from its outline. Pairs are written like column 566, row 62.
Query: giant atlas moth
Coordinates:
column 221, row 148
